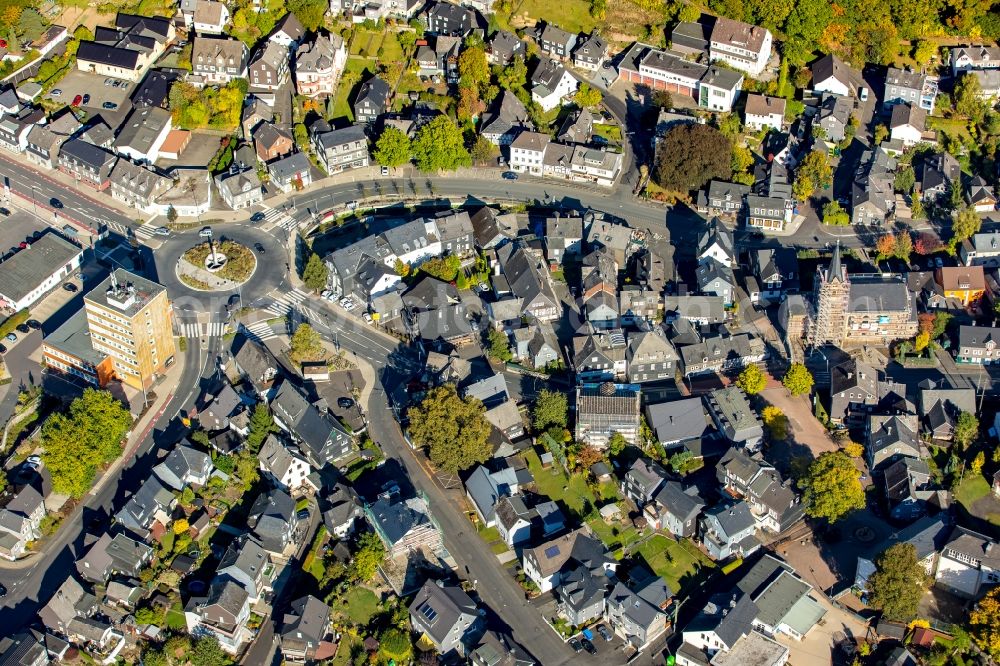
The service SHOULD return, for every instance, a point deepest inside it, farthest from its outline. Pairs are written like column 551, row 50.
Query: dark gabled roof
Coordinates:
column 374, row 90
column 306, row 622
column 396, row 517
column 506, row 45
column 681, row 502
column 830, row 66
column 270, row 516
column 313, row 426
column 327, row 138
column 108, row 55
column 977, row 336
column 506, row 113
column 93, row 156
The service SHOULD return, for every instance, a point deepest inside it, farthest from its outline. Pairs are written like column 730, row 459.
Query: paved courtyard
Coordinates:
column 819, row 644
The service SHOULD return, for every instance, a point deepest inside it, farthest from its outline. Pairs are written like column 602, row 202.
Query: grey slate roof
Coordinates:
column 306, row 623
column 26, row 270
column 270, row 517
column 678, row 420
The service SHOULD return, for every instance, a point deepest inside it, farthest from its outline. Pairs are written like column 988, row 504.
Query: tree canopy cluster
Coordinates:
column 898, row 582
column 80, row 440
column 453, row 429
column 690, row 155
column 216, row 108
column 832, row 487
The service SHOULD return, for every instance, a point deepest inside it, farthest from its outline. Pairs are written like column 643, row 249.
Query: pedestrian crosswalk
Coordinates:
column 146, row 231
column 260, row 330
column 117, row 227
column 275, row 218
column 211, row 329
column 283, row 303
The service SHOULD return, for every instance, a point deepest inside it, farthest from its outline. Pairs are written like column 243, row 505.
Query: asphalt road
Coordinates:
column 30, row 588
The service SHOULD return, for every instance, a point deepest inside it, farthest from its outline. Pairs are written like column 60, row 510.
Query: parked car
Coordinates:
column 325, row 294
column 110, row 106
column 108, row 82
column 863, row 94
column 4, row 211
column 56, row 92
column 70, row 287
column 385, row 171
column 345, row 403
column 206, row 232
column 257, row 217
column 351, row 205
column 303, row 514
column 509, row 175
column 588, row 646
column 34, row 324
column 12, row 337
column 161, row 231
column 3, row 591
column 23, row 329
column 3, row 350
column 938, row 262
column 77, row 100
column 603, row 631
column 576, row 645
column 367, row 317
column 33, row 460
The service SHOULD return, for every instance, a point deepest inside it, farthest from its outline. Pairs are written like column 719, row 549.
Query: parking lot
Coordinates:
column 199, row 152
column 84, row 83
column 18, row 227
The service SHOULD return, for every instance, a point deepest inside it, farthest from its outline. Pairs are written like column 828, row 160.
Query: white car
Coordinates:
column 367, row 317
column 206, row 232
column 331, row 297
column 863, row 94
column 326, row 294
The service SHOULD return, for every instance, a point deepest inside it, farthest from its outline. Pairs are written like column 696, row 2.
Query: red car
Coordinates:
column 77, row 100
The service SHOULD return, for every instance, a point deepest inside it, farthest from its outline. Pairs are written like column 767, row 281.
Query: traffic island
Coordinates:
column 212, row 266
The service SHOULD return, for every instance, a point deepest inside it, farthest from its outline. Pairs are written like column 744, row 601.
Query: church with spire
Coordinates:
column 848, row 310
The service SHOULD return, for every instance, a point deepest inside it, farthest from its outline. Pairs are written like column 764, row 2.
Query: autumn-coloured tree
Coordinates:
column 927, row 244
column 854, row 449
column 984, row 623
column 886, row 245
column 925, row 322
column 588, row 456
column 976, row 466
column 921, row 341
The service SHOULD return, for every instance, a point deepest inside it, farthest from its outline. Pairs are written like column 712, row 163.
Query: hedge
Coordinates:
column 13, row 321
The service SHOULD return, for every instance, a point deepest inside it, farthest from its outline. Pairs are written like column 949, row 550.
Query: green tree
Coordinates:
column 966, row 429
column 394, row 644
column 392, row 148
column 245, row 465
column 301, row 135
column 171, row 215
column 775, row 421
column 881, row 133
column 30, row 25
column 690, row 155
column 967, row 97
column 984, row 623
column 832, row 487
column 923, row 51
column 965, row 224
column 751, row 380
column 367, row 558
column 499, row 345
column 816, row 167
column 306, row 344
column 616, row 443
column 78, row 441
column 798, row 380
column 200, row 437
column 261, row 425
column 439, row 146
column 453, row 429
column 803, row 187
column 551, row 409
column 834, row 214
column 689, row 13
column 514, row 76
column 898, row 582
column 309, row 12
column 208, row 652
column 587, row 97
column 976, row 466
column 315, row 273
column 473, row 68
column 905, row 179
column 804, row 27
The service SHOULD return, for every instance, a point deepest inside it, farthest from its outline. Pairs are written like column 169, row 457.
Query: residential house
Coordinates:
column 674, row 508
column 590, row 52
column 272, row 142
column 890, row 437
column 70, row 601
column 268, row 68
column 719, row 353
column 503, row 47
column 966, row 284
column 650, row 357
column 497, row 649
column 184, row 466
column 255, row 364
column 581, row 593
column 768, row 213
column 305, row 632
column 341, row 149
column 873, row 198
column 288, row 32
column 699, row 310
column 725, row 620
column 939, row 409
column 764, row 112
column 152, row 504
column 578, row 127
column 639, row 307
column 546, row 564
column 908, row 124
column 403, row 525
column 746, row 47
column 344, row 508
column 941, row 172
column 86, row 163
column 605, row 409
column 137, row 186
column 321, row 438
column 246, row 561
column 539, row 347
column 20, row 522
column 372, row 100
column 436, row 314
column 902, row 85
column 485, row 487
column 772, row 500
column 563, row 237
column 643, row 481
column 775, row 273
column 127, row 49
column 980, row 195
column 445, row 18
column 550, row 83
column 527, row 280
column 967, row 58
column 834, row 115
column 291, row 173
column 110, row 556
column 454, row 231
column 716, row 243
column 854, row 389
column 982, row 249
column 908, row 489
column 447, row 616
column 555, row 42
column 514, row 520
column 273, row 520
column 969, row 562
column 319, row 64
column 728, row 530
column 679, row 423
column 505, row 119
column 223, row 613
column 832, row 75
column 928, row 536
column 217, row 60
column 240, row 188
column 977, row 344
column 286, row 468
column 210, row 17
column 42, row 146
column 638, row 613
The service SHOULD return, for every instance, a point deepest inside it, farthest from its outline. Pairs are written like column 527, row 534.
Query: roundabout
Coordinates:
column 217, row 266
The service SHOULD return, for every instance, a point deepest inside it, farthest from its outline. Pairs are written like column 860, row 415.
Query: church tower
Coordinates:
column 830, row 301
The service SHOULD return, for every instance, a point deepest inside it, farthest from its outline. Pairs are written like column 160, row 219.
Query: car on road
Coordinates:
column 325, row 294
column 257, row 217
column 23, row 329
column 303, row 514
column 576, row 644
column 509, row 175
column 233, row 300
column 108, row 82
column 56, row 92
column 12, row 337
column 385, row 171
column 77, row 100
column 23, row 245
column 351, row 205
column 206, row 232
column 55, row 203
column 863, row 93
column 70, row 287
column 332, row 297
column 4, row 211
column 603, row 631
column 86, row 98
column 260, row 248
column 3, row 591
column 345, row 403
column 110, row 106
column 161, row 231
column 588, row 646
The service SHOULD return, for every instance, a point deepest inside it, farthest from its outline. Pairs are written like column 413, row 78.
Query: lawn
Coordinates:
column 612, row 133
column 392, row 50
column 360, row 605
column 344, row 650
column 365, row 43
column 555, row 485
column 570, row 15
column 175, row 618
column 675, row 561
column 955, row 127
column 626, row 534
column 973, row 488
column 342, row 101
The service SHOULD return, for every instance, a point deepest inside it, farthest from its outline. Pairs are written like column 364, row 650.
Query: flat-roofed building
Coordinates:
column 68, row 350
column 32, row 272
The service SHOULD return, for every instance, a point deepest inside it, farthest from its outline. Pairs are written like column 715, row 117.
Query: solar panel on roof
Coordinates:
column 428, row 612
column 551, row 551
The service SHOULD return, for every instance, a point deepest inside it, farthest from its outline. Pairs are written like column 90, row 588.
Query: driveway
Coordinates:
column 818, row 645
